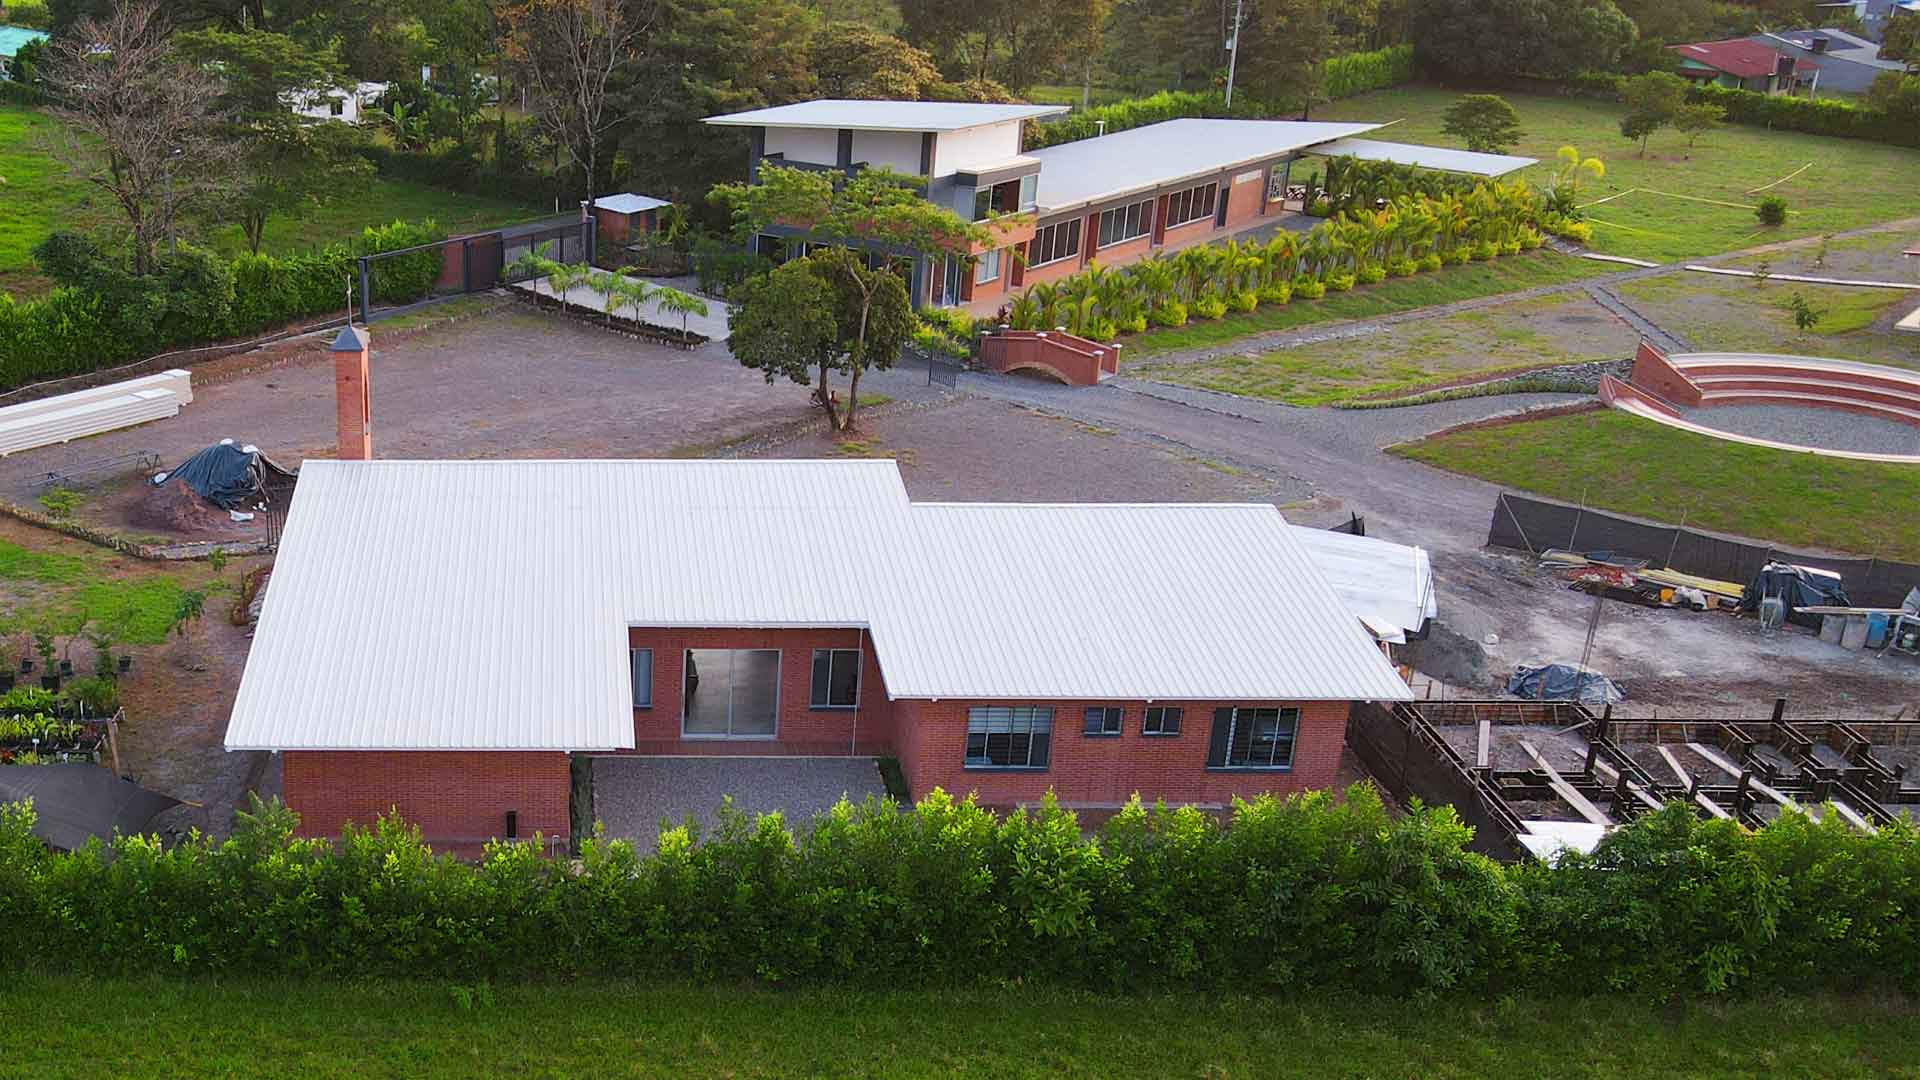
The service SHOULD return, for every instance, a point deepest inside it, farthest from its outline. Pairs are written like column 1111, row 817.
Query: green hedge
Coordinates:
column 1136, row 112
column 101, row 315
column 1815, row 116
column 1357, row 73
column 1308, row 893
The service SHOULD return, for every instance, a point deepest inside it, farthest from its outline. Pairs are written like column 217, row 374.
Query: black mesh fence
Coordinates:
column 1534, row 524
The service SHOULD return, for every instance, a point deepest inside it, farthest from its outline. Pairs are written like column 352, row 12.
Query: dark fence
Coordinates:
column 1406, row 756
column 1522, row 521
column 565, row 240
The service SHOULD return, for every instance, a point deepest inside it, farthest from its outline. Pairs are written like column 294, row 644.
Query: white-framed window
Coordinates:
column 1124, row 223
column 1029, row 191
column 836, row 679
column 731, row 694
column 1009, row 737
column 1193, row 204
column 987, row 267
column 1253, row 738
column 640, row 670
column 1060, row 240
column 1160, row 720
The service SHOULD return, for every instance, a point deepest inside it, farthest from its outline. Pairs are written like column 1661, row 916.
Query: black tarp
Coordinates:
column 228, row 475
column 1564, row 682
column 74, row 803
column 1799, row 587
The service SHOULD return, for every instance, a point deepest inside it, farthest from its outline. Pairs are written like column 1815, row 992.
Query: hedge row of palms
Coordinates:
column 1409, row 235
column 617, row 291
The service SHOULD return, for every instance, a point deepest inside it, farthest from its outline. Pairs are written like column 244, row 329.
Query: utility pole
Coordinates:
column 1233, row 49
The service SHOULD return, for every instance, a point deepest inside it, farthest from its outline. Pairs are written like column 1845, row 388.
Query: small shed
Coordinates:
column 625, row 218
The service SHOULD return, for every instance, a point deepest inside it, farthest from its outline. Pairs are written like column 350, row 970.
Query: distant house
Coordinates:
column 1116, row 198
column 1873, row 14
column 348, row 104
column 12, row 40
column 1848, row 64
column 1745, row 64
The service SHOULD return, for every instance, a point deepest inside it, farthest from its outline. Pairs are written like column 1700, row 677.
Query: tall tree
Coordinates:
column 854, row 61
column 568, row 51
column 1485, row 122
column 1901, row 39
column 1282, row 46
column 1553, row 38
column 1653, row 101
column 284, row 163
column 140, row 124
column 1013, row 42
column 877, row 211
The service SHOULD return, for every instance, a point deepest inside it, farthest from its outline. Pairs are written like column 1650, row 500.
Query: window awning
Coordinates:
column 1426, row 157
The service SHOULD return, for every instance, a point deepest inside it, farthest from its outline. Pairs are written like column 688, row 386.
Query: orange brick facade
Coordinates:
column 457, row 798
column 1652, row 373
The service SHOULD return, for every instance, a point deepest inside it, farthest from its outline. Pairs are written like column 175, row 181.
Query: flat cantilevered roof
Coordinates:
column 1426, row 157
column 1145, row 158
column 884, row 115
column 484, row 605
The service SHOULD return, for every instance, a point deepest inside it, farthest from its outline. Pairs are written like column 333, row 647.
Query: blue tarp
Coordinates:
column 227, row 475
column 1564, row 682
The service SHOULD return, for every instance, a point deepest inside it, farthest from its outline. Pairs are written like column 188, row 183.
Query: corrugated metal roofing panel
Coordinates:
column 484, row 605
column 1427, row 157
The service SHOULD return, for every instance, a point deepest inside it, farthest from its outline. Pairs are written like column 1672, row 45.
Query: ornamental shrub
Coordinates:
column 1771, row 210
column 1169, row 313
column 1484, row 251
column 1430, row 261
column 1357, row 73
column 1371, row 274
column 1278, row 292
column 1815, row 116
column 1244, row 300
column 1309, row 288
column 1340, row 282
column 1209, row 307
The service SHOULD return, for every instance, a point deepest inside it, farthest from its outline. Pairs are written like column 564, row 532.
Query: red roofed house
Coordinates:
column 1744, row 64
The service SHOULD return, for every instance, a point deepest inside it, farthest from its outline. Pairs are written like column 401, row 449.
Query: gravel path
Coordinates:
column 633, row 795
column 1807, row 425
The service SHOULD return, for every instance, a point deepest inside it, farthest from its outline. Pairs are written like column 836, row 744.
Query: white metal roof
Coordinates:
column 1427, row 157
column 485, row 604
column 884, row 115
column 1388, row 585
column 1145, row 158
column 627, row 202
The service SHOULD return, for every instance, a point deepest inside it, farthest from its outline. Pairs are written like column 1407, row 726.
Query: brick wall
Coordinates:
column 802, row 729
column 1246, row 199
column 1094, row 771
column 1652, row 373
column 1073, row 360
column 457, row 798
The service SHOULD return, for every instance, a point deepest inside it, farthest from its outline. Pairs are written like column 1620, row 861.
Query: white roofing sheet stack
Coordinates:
column 1388, row 586
column 484, row 605
column 66, row 417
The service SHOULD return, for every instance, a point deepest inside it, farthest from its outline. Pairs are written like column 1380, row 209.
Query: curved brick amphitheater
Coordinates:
column 1662, row 385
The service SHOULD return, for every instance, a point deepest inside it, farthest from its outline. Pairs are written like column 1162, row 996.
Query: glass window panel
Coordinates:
column 640, row 669
column 843, row 682
column 756, row 691
column 982, row 203
column 1029, row 191
column 709, row 672
column 822, row 674
column 1073, row 238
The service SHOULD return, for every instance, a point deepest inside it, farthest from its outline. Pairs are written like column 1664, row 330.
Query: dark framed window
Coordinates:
column 836, row 679
column 1103, row 720
column 1193, row 204
column 1009, row 737
column 1061, row 240
column 1253, row 738
column 640, row 667
column 982, row 203
column 1160, row 720
column 731, row 694
column 1124, row 223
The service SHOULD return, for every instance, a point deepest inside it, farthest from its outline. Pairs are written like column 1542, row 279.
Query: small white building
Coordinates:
column 348, row 104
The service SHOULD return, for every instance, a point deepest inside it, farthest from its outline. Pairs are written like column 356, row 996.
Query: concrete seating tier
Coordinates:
column 1756, row 379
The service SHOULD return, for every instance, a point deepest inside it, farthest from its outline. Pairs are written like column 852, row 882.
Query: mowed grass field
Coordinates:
column 135, row 1029
column 1850, row 183
column 1511, row 273
column 40, row 196
column 1613, row 461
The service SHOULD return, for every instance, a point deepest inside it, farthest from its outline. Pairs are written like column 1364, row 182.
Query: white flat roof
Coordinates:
column 1427, row 157
column 884, row 115
column 485, row 604
column 1388, row 585
column 627, row 202
column 1144, row 158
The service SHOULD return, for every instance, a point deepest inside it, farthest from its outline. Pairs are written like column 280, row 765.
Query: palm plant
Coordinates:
column 674, row 301
column 631, row 293
column 1081, row 298
column 1121, row 303
column 563, row 279
column 1024, row 312
column 608, row 286
column 532, row 262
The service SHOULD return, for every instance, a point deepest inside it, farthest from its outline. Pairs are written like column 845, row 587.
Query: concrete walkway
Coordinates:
column 712, row 325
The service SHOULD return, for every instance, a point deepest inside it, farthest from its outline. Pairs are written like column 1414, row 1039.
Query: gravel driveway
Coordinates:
column 632, row 796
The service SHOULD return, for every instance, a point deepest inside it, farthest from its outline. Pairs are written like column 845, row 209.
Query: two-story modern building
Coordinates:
column 1115, row 198
column 444, row 637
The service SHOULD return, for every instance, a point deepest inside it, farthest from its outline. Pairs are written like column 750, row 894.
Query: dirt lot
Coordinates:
column 515, row 383
column 1726, row 314
column 1394, row 359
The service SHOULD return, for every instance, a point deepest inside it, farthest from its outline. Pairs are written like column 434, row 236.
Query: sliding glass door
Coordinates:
column 731, row 694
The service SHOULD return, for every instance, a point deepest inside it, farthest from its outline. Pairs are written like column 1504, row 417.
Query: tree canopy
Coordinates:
column 1485, row 122
column 1550, row 38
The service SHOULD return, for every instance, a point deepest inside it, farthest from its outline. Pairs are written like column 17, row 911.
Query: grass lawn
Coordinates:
column 144, row 1028
column 39, row 197
column 1723, row 314
column 1614, row 461
column 1063, row 94
column 51, row 580
column 1851, row 182
column 1444, row 286
column 1405, row 358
